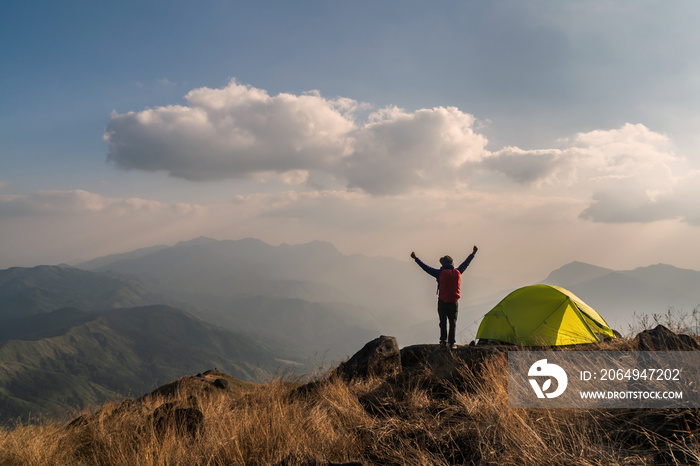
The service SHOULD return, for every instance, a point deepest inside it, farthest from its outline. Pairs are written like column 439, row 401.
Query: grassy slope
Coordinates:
column 120, row 352
column 421, row 419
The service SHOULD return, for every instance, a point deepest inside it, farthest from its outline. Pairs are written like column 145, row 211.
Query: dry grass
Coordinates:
column 426, row 418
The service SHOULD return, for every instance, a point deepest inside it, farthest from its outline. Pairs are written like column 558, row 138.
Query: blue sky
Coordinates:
column 546, row 131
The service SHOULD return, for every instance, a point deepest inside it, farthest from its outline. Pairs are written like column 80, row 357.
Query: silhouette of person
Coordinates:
column 449, row 281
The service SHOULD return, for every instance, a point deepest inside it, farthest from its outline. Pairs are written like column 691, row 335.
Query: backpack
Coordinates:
column 449, row 282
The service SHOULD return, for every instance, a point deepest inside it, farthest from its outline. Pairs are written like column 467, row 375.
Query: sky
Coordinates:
column 544, row 132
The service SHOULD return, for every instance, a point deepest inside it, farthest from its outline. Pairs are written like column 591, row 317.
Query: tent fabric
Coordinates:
column 543, row 315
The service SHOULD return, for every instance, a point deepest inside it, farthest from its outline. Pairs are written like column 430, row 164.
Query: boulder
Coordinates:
column 414, row 354
column 662, row 339
column 440, row 371
column 220, row 383
column 187, row 420
column 379, row 357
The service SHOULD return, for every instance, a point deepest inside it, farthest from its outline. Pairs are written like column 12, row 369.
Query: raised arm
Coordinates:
column 429, row 270
column 463, row 266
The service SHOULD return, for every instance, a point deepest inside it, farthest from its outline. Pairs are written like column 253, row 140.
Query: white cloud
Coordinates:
column 84, row 202
column 240, row 131
column 634, row 200
column 631, row 151
column 398, row 151
column 628, row 174
column 232, row 133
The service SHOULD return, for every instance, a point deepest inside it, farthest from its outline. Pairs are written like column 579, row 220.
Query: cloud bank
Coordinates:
column 77, row 201
column 628, row 174
column 74, row 225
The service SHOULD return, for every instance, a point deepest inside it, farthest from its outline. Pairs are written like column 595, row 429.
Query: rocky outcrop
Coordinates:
column 413, row 354
column 662, row 339
column 209, row 382
column 178, row 403
column 379, row 357
column 440, row 370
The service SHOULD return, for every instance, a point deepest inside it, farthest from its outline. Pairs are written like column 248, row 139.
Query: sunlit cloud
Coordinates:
column 240, row 131
column 232, row 133
column 630, row 174
column 398, row 151
column 627, row 174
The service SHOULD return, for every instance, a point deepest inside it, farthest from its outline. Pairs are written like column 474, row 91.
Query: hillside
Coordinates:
column 35, row 290
column 299, row 294
column 100, row 261
column 117, row 353
column 438, row 408
column 307, row 329
column 324, row 331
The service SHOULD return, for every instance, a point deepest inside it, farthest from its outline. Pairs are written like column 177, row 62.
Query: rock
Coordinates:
column 440, row 371
column 663, row 339
column 414, row 354
column 183, row 420
column 379, row 357
column 220, row 383
column 209, row 382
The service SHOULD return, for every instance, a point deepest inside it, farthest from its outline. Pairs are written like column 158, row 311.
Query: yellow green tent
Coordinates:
column 543, row 315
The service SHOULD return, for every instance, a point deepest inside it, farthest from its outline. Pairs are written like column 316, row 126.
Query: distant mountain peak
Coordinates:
column 662, row 267
column 198, row 240
column 315, row 245
column 100, row 261
column 576, row 272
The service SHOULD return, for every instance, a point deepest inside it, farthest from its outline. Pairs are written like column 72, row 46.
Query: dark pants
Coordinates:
column 447, row 312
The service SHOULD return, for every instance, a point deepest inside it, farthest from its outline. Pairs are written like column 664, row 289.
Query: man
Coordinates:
column 449, row 282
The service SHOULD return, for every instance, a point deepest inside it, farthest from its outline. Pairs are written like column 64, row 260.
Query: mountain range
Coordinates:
column 71, row 336
column 623, row 297
column 310, row 296
column 315, row 272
